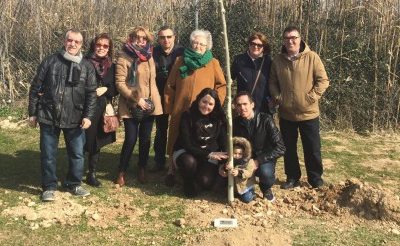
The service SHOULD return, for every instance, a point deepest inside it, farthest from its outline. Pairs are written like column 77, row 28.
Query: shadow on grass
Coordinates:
column 20, row 171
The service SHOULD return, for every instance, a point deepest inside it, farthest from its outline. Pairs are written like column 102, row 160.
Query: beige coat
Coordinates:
column 298, row 85
column 180, row 93
column 130, row 95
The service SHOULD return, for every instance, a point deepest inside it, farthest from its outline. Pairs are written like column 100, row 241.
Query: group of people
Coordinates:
column 183, row 89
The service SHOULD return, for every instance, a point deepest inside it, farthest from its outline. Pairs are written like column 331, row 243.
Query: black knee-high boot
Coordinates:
column 91, row 176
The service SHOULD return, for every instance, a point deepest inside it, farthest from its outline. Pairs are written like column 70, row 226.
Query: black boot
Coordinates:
column 91, row 176
column 189, row 188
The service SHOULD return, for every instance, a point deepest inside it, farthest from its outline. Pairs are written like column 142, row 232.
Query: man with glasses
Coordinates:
column 297, row 81
column 62, row 97
column 164, row 57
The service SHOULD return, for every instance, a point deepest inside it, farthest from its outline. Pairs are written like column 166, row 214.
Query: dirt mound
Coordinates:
column 370, row 202
column 352, row 196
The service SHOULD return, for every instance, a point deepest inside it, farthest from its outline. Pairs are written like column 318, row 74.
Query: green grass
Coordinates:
column 15, row 112
column 350, row 159
column 313, row 231
column 20, row 178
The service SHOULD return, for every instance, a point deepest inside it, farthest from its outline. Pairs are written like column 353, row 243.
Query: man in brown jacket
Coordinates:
column 297, row 82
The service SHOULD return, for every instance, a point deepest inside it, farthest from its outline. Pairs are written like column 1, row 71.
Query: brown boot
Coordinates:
column 121, row 179
column 142, row 175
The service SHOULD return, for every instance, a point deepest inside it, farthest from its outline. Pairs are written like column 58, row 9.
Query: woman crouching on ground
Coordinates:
column 201, row 142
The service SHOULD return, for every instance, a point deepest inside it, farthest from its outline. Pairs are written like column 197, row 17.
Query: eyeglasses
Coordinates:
column 198, row 43
column 78, row 42
column 165, row 37
column 104, row 46
column 256, row 45
column 293, row 38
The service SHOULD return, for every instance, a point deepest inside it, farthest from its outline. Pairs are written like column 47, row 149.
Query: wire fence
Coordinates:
column 358, row 41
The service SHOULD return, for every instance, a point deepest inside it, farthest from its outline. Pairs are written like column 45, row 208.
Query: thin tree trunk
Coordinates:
column 228, row 101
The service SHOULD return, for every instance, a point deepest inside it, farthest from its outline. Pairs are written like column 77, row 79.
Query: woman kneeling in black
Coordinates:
column 201, row 142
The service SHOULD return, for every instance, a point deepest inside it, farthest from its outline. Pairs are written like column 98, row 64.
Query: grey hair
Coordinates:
column 73, row 31
column 202, row 33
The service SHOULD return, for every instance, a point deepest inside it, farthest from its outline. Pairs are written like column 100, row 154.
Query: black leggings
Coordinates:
column 197, row 170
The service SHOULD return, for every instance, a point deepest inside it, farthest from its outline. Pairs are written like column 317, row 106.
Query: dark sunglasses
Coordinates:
column 256, row 45
column 104, row 46
column 165, row 37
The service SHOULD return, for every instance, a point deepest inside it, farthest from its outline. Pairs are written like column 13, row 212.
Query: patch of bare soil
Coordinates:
column 10, row 123
column 257, row 221
column 382, row 164
column 63, row 210
column 329, row 163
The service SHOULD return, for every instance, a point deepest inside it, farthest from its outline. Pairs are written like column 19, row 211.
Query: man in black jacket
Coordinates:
column 62, row 97
column 265, row 138
column 165, row 54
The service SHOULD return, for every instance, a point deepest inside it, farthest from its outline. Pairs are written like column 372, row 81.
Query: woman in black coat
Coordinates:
column 251, row 71
column 100, row 55
column 201, row 142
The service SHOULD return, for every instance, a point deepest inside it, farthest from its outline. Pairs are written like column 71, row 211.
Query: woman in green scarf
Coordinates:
column 191, row 73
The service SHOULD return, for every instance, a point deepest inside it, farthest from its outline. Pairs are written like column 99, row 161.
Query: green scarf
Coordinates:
column 193, row 60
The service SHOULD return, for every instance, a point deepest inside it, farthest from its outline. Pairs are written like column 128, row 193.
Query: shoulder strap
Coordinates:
column 258, row 75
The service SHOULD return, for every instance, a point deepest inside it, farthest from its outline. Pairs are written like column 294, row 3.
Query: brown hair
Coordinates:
column 263, row 39
column 97, row 38
column 243, row 93
column 133, row 34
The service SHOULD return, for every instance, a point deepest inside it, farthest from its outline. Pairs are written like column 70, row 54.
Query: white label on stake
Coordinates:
column 225, row 223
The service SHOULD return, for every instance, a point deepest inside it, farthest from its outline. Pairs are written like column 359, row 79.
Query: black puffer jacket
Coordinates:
column 264, row 136
column 54, row 100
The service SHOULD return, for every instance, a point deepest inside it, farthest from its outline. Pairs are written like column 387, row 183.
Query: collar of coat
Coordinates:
column 304, row 48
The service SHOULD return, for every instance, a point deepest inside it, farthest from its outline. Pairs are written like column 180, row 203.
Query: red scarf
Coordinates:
column 133, row 50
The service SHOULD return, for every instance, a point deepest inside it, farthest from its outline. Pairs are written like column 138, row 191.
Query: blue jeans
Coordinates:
column 74, row 140
column 311, row 141
column 248, row 196
column 266, row 174
column 133, row 130
column 160, row 140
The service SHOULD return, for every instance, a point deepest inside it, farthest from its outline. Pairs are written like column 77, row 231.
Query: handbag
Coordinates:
column 110, row 119
column 138, row 114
